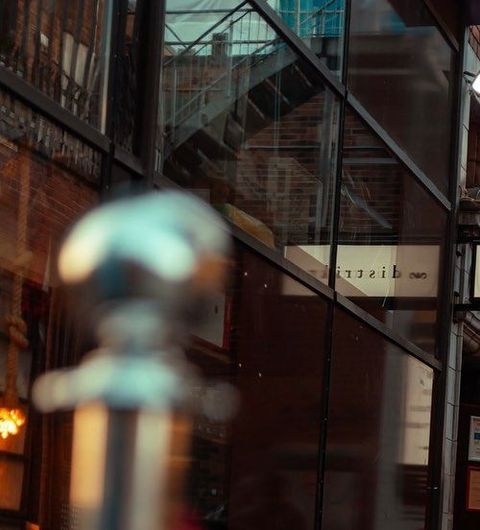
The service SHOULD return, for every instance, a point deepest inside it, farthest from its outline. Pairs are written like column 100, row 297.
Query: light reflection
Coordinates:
column 10, row 421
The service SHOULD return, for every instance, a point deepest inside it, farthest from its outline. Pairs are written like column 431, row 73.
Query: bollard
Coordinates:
column 140, row 269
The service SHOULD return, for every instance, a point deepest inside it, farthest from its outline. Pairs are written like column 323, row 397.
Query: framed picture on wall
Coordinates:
column 474, row 439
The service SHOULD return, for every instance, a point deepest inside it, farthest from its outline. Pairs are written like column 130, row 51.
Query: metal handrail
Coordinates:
column 208, row 88
column 209, row 30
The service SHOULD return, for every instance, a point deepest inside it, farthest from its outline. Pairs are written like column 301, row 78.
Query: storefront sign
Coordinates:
column 474, row 439
column 409, row 271
column 473, row 489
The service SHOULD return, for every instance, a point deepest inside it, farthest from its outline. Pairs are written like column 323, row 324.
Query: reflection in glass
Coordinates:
column 378, row 433
column 252, row 129
column 14, row 444
column 319, row 23
column 48, row 179
column 400, row 68
column 260, row 471
column 58, row 46
column 391, row 237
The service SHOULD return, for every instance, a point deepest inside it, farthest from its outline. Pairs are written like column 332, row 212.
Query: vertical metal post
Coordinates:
column 138, row 267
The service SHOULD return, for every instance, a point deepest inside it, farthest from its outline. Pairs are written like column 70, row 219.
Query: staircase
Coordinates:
column 237, row 63
column 248, row 125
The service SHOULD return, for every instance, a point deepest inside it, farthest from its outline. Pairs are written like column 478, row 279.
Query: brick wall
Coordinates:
column 48, row 179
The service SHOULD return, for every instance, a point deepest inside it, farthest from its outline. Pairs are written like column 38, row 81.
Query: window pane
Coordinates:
column 391, row 238
column 261, row 471
column 58, row 46
column 400, row 69
column 319, row 23
column 378, row 433
column 253, row 130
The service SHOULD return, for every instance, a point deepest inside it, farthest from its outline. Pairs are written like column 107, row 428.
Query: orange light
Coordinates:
column 10, row 421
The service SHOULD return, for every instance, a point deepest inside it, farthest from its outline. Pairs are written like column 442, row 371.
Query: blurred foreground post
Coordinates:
column 141, row 270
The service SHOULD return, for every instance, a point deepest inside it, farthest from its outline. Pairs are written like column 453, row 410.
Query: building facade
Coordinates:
column 337, row 138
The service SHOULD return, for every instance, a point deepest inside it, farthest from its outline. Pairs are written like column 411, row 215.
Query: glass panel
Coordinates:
column 391, row 238
column 400, row 69
column 378, row 433
column 252, row 129
column 319, row 23
column 58, row 47
column 261, row 472
column 48, row 179
column 11, row 475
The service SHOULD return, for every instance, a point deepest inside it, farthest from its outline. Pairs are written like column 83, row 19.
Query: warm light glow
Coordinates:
column 10, row 421
column 88, row 456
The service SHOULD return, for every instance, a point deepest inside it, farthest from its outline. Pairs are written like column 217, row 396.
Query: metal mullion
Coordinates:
column 147, row 127
column 52, row 110
column 297, row 45
column 112, row 51
column 335, row 219
column 447, row 301
column 129, row 161
column 419, row 175
column 324, row 416
column 113, row 59
column 434, row 476
column 388, row 333
column 338, row 180
column 337, row 197
column 346, row 42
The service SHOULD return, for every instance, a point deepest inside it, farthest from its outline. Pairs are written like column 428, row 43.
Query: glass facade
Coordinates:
column 254, row 130
column 400, row 69
column 391, row 238
column 378, row 436
column 260, row 470
column 319, row 360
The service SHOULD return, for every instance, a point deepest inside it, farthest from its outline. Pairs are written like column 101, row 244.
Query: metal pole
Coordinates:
column 140, row 268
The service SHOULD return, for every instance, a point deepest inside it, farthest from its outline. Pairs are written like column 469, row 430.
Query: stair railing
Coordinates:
column 190, row 78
